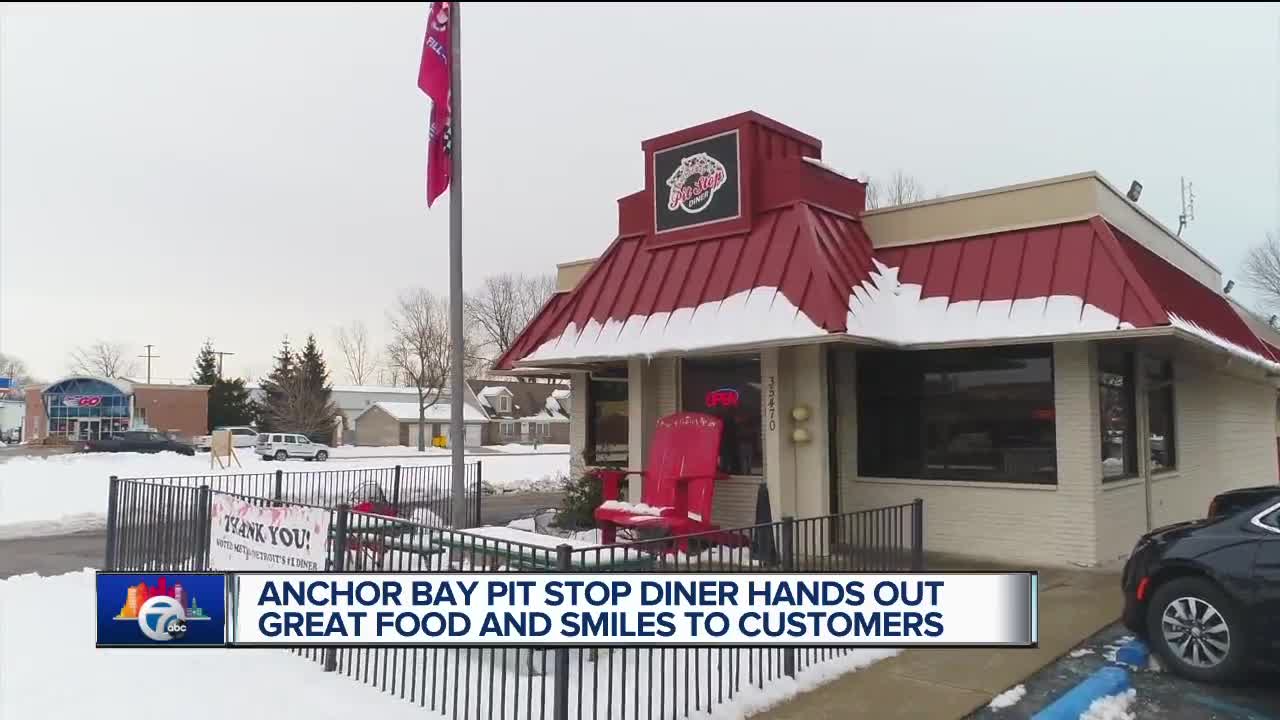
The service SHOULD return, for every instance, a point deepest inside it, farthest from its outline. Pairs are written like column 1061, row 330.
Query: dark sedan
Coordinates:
column 1205, row 594
column 139, row 441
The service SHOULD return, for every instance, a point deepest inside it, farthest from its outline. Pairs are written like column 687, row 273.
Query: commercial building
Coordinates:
column 84, row 407
column 1049, row 367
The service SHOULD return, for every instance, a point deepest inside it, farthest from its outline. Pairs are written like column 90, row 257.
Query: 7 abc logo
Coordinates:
column 162, row 619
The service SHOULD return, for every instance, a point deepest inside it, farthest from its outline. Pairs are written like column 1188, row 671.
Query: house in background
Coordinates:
column 524, row 412
column 386, row 423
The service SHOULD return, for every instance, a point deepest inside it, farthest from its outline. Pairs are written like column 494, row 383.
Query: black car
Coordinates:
column 139, row 441
column 1205, row 594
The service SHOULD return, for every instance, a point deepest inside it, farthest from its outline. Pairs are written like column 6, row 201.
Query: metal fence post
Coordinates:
column 479, row 478
column 278, row 493
column 339, row 564
column 113, row 515
column 395, row 488
column 560, row 704
column 203, row 518
column 917, row 534
column 789, row 565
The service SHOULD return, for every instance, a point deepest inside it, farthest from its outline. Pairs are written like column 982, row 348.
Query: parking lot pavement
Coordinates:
column 1160, row 695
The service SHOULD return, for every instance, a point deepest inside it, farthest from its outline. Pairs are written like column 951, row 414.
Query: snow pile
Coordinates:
column 637, row 509
column 68, row 493
column 527, row 449
column 1008, row 698
column 1081, row 652
column 52, row 670
column 1111, row 707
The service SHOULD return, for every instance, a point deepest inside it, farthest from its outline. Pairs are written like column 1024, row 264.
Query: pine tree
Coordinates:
column 271, row 411
column 206, row 366
column 313, row 379
column 229, row 402
column 312, row 368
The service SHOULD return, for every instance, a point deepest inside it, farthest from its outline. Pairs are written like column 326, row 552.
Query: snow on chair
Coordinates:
column 678, row 485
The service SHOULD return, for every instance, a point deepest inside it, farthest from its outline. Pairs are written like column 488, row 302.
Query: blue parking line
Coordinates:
column 1237, row 712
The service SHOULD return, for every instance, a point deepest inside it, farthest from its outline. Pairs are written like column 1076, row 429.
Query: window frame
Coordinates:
column 1269, row 519
column 1162, row 381
column 614, row 375
column 682, row 374
column 921, row 412
column 1130, row 438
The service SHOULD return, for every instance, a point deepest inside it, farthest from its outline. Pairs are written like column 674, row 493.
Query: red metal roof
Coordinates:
column 1078, row 259
column 1075, row 277
column 811, row 256
column 1186, row 298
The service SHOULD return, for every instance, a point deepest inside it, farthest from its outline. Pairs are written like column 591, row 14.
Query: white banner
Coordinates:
column 244, row 536
column 659, row 609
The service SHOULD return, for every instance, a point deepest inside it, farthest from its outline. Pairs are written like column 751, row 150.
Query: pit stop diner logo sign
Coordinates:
column 697, row 183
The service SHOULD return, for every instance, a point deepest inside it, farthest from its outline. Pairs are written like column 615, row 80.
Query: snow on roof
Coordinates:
column 405, row 411
column 493, row 390
column 376, row 389
column 561, row 394
column 818, row 163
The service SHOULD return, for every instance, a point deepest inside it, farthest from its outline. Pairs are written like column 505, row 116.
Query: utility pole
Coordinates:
column 149, row 357
column 220, row 353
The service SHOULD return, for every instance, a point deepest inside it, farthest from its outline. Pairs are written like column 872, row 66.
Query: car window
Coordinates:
column 241, row 432
column 302, row 440
column 1271, row 520
column 276, row 439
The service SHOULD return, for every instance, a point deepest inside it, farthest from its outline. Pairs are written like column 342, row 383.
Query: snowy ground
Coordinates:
column 52, row 670
column 348, row 452
column 67, row 493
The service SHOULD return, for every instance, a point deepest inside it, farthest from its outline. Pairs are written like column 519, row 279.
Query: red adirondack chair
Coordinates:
column 677, row 486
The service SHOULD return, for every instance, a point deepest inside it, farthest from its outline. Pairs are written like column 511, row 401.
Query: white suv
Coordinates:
column 282, row 446
column 242, row 436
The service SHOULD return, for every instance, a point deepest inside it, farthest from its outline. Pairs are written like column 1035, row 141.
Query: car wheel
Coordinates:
column 322, row 456
column 282, row 455
column 1197, row 630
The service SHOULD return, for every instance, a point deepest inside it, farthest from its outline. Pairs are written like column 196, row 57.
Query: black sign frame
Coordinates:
column 725, row 202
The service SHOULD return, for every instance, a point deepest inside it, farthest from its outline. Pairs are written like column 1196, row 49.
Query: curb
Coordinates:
column 1110, row 680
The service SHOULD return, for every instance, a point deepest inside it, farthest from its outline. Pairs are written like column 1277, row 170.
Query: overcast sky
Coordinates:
column 175, row 173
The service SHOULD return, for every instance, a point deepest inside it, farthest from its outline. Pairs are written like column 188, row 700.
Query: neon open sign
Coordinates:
column 724, row 397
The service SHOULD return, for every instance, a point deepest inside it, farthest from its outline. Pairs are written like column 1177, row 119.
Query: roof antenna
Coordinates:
column 1188, row 206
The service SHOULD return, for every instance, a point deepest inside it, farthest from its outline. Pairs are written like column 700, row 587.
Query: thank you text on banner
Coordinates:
column 547, row 609
column 245, row 536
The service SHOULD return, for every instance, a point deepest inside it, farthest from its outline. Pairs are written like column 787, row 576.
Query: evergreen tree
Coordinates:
column 312, row 368
column 313, row 379
column 229, row 402
column 275, row 388
column 206, row 366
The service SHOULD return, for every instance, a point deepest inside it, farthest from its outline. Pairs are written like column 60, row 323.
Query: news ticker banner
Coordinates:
column 260, row 609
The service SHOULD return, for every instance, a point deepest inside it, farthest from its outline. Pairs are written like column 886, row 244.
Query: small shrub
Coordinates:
column 582, row 495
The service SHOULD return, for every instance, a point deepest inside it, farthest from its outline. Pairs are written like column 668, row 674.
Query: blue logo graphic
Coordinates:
column 175, row 609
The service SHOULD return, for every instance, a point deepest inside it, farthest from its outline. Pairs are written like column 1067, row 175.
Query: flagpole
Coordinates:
column 457, row 394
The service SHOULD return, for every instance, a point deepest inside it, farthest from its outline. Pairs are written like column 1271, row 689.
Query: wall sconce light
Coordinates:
column 800, row 436
column 800, row 413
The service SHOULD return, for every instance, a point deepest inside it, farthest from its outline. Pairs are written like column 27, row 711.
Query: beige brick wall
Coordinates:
column 1016, row 523
column 1225, row 439
column 578, row 397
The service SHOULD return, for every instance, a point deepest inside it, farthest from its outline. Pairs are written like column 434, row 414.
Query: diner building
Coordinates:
column 1048, row 366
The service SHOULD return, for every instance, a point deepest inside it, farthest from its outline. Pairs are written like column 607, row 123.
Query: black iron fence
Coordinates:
column 157, row 526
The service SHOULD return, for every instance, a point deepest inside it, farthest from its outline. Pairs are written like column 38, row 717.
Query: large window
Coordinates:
column 1117, row 414
column 607, row 417
column 729, row 388
column 1160, row 415
column 984, row 414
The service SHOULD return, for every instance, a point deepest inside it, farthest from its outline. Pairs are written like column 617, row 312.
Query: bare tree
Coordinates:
column 107, row 359
column 1262, row 271
column 502, row 307
column 361, row 359
column 419, row 349
column 898, row 189
column 15, row 371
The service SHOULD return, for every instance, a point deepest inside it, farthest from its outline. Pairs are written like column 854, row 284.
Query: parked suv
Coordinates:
column 282, row 446
column 242, row 436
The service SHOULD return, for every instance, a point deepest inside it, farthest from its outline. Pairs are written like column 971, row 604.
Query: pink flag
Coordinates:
column 435, row 80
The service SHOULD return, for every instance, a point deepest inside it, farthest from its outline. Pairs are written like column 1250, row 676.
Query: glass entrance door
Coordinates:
column 88, row 429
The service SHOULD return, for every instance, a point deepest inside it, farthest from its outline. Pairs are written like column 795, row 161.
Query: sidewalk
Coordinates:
column 947, row 684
